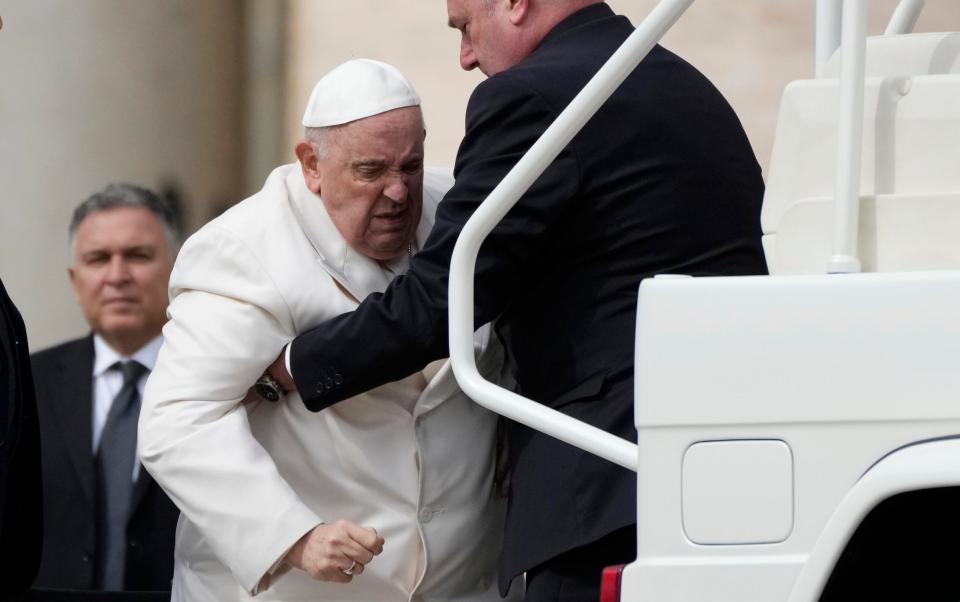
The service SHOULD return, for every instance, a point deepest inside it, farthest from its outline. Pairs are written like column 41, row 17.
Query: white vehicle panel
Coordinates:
column 844, row 369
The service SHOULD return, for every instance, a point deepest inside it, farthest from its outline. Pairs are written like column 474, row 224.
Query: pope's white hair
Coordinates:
column 319, row 137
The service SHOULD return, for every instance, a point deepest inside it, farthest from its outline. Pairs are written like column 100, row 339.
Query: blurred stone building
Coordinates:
column 199, row 100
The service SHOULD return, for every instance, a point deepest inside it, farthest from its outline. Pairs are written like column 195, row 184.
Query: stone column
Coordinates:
column 108, row 90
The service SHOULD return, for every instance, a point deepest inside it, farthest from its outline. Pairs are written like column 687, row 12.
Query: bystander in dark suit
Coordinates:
column 661, row 180
column 21, row 529
column 109, row 526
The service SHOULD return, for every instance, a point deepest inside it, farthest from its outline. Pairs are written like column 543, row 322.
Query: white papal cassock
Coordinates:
column 414, row 458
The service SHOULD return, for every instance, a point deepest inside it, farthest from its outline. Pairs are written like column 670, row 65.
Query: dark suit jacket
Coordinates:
column 21, row 526
column 661, row 180
column 64, row 382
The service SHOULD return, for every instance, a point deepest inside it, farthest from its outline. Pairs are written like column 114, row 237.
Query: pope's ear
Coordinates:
column 309, row 165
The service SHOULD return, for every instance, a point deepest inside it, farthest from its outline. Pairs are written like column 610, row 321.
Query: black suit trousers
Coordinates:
column 574, row 576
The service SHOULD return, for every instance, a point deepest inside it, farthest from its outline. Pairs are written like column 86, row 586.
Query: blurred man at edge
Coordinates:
column 20, row 494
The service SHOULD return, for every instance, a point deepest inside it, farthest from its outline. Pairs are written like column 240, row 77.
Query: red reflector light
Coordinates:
column 610, row 583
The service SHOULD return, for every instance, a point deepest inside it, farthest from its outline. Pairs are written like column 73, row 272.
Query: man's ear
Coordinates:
column 73, row 283
column 517, row 10
column 309, row 165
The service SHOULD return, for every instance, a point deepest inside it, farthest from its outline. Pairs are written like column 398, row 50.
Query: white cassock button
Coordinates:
column 426, row 515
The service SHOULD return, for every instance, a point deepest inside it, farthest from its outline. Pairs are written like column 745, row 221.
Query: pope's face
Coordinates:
column 371, row 181
column 121, row 266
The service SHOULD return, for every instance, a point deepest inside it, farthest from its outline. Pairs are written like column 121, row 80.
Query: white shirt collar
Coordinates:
column 356, row 272
column 105, row 356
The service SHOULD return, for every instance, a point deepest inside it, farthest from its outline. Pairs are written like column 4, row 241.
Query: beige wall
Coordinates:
column 749, row 48
column 209, row 94
column 98, row 91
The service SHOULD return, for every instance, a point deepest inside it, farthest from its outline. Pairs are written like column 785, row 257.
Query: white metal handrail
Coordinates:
column 827, row 33
column 846, row 200
column 499, row 202
column 850, row 34
column 904, row 17
column 828, row 12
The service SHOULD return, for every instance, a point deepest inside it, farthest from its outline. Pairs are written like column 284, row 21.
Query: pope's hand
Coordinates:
column 278, row 370
column 335, row 552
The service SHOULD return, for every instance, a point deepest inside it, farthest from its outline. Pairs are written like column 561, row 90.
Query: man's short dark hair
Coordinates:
column 127, row 195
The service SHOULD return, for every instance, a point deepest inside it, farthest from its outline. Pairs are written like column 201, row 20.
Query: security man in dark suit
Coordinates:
column 661, row 180
column 108, row 525
column 21, row 528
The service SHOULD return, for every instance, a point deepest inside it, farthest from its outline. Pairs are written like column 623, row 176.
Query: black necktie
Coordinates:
column 115, row 457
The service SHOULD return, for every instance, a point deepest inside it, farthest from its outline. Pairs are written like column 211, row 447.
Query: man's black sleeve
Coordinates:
column 394, row 334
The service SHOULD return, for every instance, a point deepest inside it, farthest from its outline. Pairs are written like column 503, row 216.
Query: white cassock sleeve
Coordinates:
column 228, row 322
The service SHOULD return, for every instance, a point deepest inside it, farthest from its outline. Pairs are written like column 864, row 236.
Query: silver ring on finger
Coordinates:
column 349, row 569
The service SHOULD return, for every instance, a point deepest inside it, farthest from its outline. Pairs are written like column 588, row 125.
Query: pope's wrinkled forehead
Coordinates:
column 357, row 89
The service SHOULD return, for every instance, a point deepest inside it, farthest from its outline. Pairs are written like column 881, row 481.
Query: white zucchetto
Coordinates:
column 356, row 89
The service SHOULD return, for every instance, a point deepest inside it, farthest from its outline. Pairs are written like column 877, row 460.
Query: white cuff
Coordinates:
column 279, row 568
column 286, row 358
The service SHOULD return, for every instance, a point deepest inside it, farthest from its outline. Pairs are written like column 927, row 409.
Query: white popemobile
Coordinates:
column 821, row 390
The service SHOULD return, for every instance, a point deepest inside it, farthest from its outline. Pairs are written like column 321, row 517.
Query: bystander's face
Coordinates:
column 488, row 38
column 122, row 262
column 371, row 181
